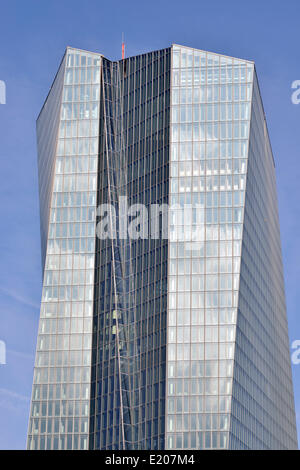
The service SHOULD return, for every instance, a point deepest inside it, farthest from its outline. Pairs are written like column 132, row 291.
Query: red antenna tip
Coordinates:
column 123, row 47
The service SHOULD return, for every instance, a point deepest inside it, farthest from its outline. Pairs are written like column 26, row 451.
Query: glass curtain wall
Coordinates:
column 131, row 274
column 148, row 339
column 262, row 415
column 210, row 113
column 61, row 388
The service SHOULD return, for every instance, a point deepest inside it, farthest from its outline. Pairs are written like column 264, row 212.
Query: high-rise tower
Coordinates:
column 173, row 336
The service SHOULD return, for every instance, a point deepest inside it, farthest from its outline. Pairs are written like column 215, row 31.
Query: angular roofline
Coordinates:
column 52, row 84
column 214, row 53
column 60, row 64
column 84, row 50
column 138, row 55
column 264, row 113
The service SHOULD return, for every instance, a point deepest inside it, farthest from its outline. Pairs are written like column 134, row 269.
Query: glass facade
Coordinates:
column 211, row 99
column 61, row 387
column 128, row 383
column 262, row 410
column 165, row 342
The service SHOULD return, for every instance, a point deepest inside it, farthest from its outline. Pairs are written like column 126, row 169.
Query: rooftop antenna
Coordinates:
column 123, row 47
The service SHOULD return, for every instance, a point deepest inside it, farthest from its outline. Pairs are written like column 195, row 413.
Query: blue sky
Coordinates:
column 33, row 36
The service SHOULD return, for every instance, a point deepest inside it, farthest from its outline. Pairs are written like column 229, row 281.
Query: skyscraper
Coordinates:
column 159, row 339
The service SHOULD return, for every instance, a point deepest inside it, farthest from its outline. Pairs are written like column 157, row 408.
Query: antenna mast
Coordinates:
column 123, row 47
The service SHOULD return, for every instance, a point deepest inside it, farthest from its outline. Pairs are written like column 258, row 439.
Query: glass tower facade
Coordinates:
column 159, row 339
column 68, row 139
